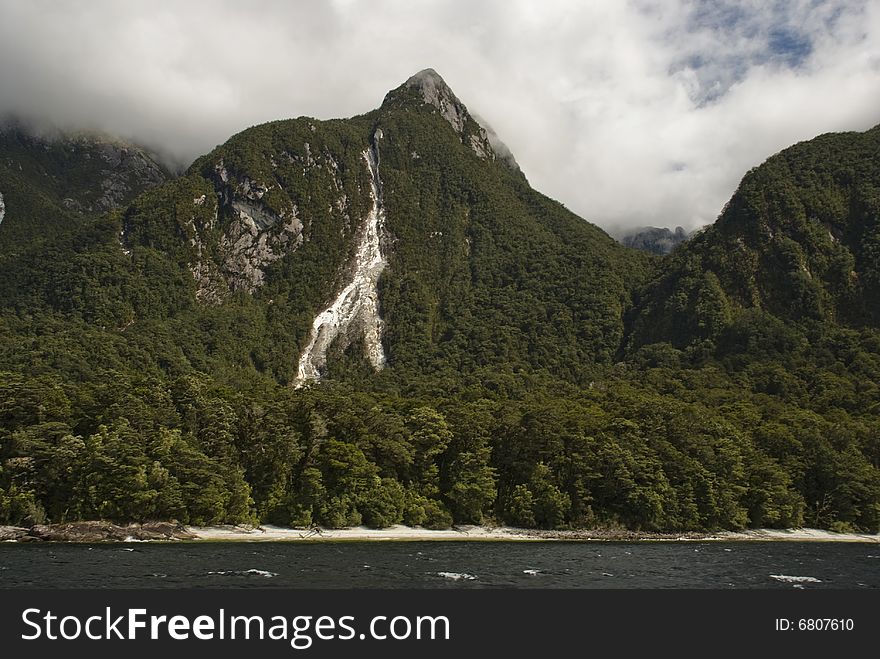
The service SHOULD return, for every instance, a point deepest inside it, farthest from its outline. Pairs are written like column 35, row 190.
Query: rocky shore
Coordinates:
column 609, row 535
column 97, row 532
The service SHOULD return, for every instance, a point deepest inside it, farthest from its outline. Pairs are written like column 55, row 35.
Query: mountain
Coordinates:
column 476, row 267
column 798, row 241
column 655, row 240
column 377, row 320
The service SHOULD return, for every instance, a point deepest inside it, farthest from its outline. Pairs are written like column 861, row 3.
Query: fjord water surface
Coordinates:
column 442, row 565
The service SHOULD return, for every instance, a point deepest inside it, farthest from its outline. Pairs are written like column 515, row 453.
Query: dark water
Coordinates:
column 442, row 565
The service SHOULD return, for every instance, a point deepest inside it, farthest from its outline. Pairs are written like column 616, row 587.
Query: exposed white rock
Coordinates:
column 199, row 201
column 2, row 208
column 356, row 308
column 122, row 240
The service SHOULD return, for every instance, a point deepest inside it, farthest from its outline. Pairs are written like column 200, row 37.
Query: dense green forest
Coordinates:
column 539, row 374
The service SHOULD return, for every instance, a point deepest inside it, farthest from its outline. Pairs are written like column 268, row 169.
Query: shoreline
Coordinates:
column 482, row 533
column 98, row 531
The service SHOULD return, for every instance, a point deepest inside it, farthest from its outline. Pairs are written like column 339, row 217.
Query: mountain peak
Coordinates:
column 434, row 91
column 428, row 74
column 474, row 132
column 431, row 84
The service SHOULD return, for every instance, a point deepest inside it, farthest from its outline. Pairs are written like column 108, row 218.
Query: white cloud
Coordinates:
column 639, row 113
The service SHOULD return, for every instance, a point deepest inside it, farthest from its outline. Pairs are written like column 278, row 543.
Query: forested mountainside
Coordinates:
column 799, row 240
column 377, row 320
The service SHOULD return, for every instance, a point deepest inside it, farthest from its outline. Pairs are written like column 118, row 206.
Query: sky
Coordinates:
column 631, row 113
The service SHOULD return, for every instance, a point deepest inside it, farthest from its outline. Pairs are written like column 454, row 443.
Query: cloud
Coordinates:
column 631, row 113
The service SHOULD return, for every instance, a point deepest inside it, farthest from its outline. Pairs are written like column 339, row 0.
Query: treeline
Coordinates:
column 645, row 446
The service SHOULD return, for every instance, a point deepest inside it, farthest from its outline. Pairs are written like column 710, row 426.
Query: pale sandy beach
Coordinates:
column 274, row 533
column 98, row 531
column 799, row 535
column 398, row 532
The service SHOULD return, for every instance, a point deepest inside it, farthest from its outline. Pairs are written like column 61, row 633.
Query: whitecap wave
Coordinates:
column 243, row 573
column 531, row 572
column 785, row 578
column 457, row 576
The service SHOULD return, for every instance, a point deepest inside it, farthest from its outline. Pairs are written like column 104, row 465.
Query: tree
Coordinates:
column 520, row 507
column 473, row 491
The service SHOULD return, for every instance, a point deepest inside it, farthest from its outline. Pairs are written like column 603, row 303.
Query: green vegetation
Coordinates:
column 539, row 374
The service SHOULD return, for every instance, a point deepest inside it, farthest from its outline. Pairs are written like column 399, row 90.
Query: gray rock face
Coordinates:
column 249, row 224
column 436, row 92
column 127, row 169
column 2, row 208
column 256, row 238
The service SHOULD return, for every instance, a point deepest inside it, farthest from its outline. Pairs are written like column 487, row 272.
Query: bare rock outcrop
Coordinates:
column 8, row 533
column 100, row 531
